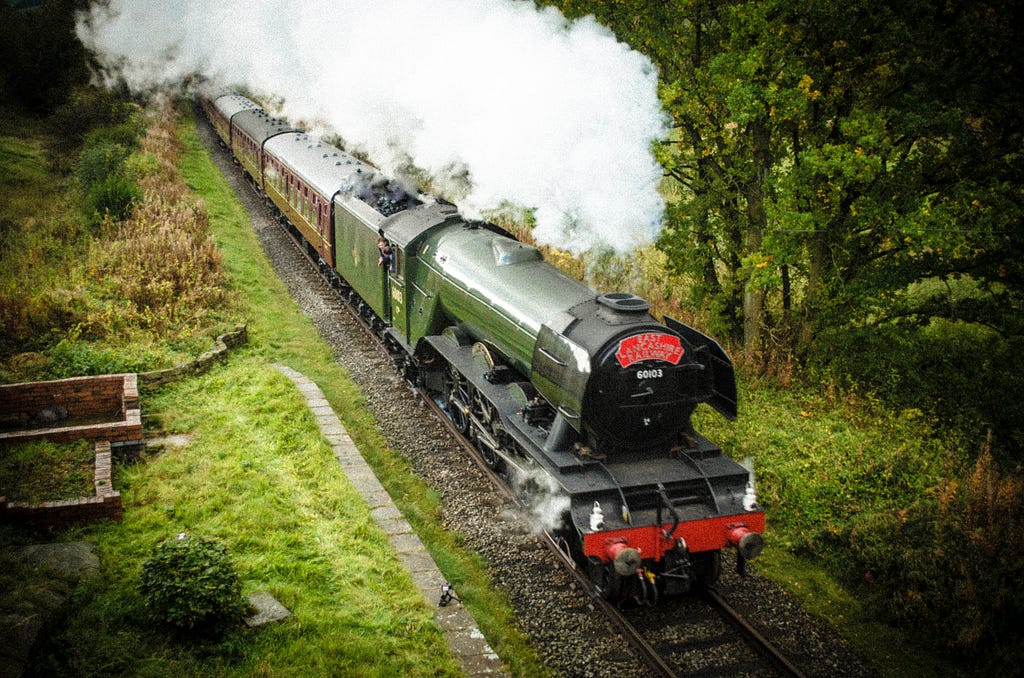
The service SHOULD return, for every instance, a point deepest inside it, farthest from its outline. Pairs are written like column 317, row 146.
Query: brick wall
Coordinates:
column 104, row 410
column 94, row 408
column 82, row 396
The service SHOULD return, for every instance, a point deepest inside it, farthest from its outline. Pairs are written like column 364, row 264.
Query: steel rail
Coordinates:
column 754, row 638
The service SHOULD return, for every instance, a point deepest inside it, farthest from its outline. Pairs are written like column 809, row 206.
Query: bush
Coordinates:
column 85, row 110
column 957, row 372
column 125, row 134
column 112, row 197
column 950, row 566
column 163, row 262
column 75, row 356
column 105, row 152
column 31, row 319
column 96, row 163
column 190, row 585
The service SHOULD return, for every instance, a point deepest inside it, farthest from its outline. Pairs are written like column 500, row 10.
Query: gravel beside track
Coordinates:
column 570, row 635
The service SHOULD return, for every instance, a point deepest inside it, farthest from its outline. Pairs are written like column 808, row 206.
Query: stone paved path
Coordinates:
column 464, row 639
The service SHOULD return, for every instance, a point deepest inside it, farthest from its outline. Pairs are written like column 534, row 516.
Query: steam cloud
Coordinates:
column 548, row 503
column 509, row 104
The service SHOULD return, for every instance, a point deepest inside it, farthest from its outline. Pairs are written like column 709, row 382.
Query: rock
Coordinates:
column 74, row 559
column 51, row 415
column 268, row 610
column 174, row 440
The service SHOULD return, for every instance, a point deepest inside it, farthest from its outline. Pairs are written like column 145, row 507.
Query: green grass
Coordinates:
column 257, row 476
column 22, row 176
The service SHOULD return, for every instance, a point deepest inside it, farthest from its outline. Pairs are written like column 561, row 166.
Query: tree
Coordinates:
column 735, row 93
column 41, row 58
column 842, row 174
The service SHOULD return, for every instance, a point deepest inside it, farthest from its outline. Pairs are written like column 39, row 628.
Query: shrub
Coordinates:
column 30, row 318
column 112, row 197
column 190, row 585
column 97, row 162
column 163, row 262
column 958, row 372
column 125, row 134
column 950, row 565
column 85, row 110
column 105, row 152
column 74, row 356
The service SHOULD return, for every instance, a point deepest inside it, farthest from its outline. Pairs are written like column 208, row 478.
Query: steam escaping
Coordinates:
column 547, row 504
column 498, row 102
column 748, row 463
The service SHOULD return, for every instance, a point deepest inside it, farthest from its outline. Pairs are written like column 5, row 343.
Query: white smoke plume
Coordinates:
column 547, row 503
column 532, row 109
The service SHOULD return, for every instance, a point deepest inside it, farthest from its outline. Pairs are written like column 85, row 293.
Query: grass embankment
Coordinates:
column 258, row 476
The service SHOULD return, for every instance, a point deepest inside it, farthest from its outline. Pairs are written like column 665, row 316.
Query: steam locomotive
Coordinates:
column 565, row 391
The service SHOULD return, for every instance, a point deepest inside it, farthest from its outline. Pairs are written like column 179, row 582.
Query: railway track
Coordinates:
column 655, row 641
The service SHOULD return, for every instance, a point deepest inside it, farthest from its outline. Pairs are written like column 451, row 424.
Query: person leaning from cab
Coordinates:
column 387, row 254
